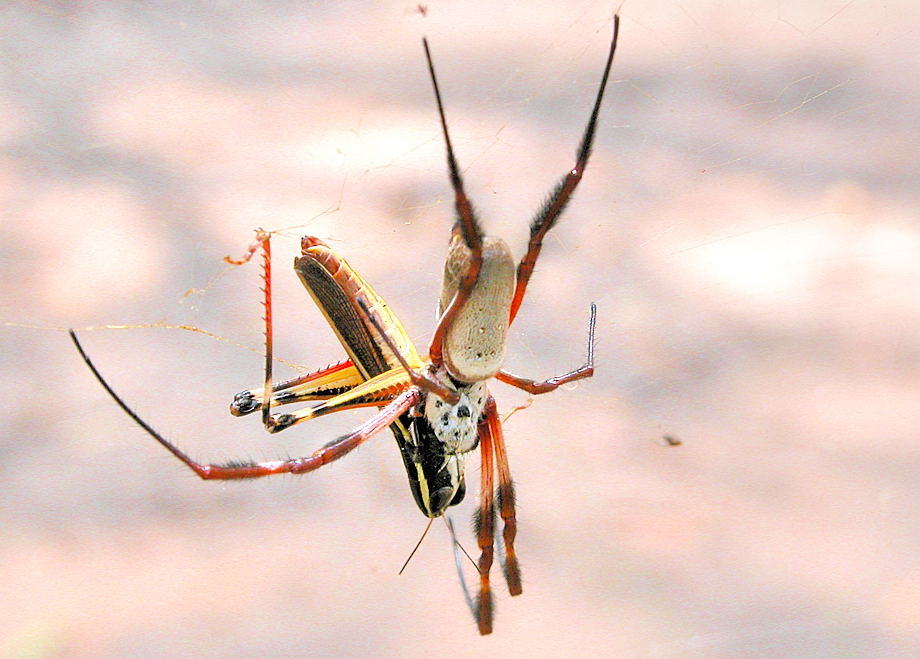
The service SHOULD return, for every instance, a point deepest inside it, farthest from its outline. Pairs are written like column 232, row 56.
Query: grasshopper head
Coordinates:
column 440, row 436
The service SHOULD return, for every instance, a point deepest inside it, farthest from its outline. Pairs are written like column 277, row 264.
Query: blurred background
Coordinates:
column 748, row 226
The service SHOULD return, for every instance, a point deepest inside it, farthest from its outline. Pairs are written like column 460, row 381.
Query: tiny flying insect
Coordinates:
column 439, row 408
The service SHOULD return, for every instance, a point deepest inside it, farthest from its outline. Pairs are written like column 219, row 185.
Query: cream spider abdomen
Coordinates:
column 474, row 345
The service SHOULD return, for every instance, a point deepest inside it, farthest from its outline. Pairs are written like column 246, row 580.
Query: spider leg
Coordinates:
column 584, row 371
column 232, row 471
column 505, row 498
column 466, row 225
column 546, row 217
column 485, row 528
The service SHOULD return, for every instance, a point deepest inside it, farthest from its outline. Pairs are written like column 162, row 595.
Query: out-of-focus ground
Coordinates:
column 748, row 227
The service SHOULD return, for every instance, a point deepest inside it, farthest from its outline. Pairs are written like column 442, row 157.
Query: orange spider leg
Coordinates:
column 545, row 386
column 546, row 217
column 485, row 528
column 505, row 498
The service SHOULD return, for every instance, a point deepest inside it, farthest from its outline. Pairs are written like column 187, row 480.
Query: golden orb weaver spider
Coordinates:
column 438, row 409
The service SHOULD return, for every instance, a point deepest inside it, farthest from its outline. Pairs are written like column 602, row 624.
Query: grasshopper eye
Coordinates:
column 442, row 498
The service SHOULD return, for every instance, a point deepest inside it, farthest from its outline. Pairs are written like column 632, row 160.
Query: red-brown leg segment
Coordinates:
column 232, row 471
column 534, row 387
column 505, row 498
column 552, row 209
column 485, row 528
column 467, row 224
column 263, row 240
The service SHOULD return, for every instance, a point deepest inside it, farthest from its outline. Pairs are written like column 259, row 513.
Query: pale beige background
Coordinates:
column 748, row 227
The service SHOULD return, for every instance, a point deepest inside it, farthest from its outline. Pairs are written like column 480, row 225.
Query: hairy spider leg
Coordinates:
column 238, row 470
column 506, row 500
column 466, row 224
column 546, row 217
column 494, row 457
column 553, row 383
column 485, row 528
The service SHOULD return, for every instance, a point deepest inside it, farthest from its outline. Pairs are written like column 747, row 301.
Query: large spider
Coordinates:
column 437, row 408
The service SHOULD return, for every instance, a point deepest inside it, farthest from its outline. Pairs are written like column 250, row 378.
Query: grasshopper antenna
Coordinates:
column 417, row 545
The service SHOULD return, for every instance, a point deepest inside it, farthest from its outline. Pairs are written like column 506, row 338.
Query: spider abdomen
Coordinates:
column 474, row 345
